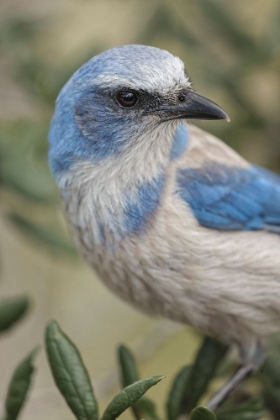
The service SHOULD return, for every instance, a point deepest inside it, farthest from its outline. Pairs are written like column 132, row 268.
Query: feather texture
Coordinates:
column 231, row 198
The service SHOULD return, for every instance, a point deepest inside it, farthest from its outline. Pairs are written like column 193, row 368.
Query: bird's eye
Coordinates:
column 127, row 99
column 181, row 98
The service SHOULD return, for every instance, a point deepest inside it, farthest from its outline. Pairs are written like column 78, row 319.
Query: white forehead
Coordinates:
column 136, row 66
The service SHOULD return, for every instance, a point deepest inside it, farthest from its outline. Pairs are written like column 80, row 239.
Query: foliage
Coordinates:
column 70, row 374
column 177, row 393
column 11, row 311
column 202, row 413
column 207, row 360
column 144, row 408
column 73, row 381
column 19, row 386
column 187, row 389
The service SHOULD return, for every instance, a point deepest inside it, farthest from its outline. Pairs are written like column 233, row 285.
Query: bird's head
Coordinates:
column 116, row 100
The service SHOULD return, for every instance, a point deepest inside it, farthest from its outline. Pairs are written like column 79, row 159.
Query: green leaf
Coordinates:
column 19, row 386
column 207, row 360
column 42, row 234
column 202, row 413
column 178, row 393
column 129, row 373
column 128, row 366
column 12, row 310
column 70, row 374
column 129, row 396
column 144, row 407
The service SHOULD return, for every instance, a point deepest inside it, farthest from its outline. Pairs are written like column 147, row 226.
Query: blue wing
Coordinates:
column 232, row 198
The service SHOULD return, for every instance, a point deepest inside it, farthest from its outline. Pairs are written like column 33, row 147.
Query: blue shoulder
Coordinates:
column 231, row 198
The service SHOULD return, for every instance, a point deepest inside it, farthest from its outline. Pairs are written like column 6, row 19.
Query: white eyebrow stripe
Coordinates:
column 150, row 84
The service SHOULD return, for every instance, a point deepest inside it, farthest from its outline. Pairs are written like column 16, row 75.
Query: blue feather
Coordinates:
column 180, row 142
column 139, row 209
column 232, row 198
column 84, row 135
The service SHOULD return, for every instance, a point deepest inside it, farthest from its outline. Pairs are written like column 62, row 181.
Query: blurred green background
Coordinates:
column 232, row 54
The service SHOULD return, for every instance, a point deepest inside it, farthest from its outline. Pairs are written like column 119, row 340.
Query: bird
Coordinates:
column 171, row 219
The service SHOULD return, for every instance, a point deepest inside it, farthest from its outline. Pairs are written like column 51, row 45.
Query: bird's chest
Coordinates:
column 131, row 241
column 121, row 268
column 105, row 214
column 107, row 230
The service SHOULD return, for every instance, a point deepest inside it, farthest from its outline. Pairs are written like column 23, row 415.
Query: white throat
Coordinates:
column 94, row 193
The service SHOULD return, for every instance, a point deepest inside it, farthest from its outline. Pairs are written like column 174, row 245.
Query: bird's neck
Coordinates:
column 97, row 195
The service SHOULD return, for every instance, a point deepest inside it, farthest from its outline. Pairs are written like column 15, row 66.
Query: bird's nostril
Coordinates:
column 181, row 98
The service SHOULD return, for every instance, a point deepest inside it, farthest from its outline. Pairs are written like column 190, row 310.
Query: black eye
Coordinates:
column 127, row 98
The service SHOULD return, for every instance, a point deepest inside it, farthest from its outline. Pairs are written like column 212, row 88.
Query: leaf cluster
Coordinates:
column 186, row 393
column 72, row 379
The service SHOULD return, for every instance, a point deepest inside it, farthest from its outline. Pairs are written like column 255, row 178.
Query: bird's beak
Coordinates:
column 195, row 107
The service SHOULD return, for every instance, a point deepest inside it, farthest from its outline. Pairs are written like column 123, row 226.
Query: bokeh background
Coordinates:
column 232, row 53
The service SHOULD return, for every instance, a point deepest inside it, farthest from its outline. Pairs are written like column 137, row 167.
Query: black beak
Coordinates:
column 195, row 107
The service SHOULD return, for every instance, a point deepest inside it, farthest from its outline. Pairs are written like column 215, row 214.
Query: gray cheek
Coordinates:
column 103, row 129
